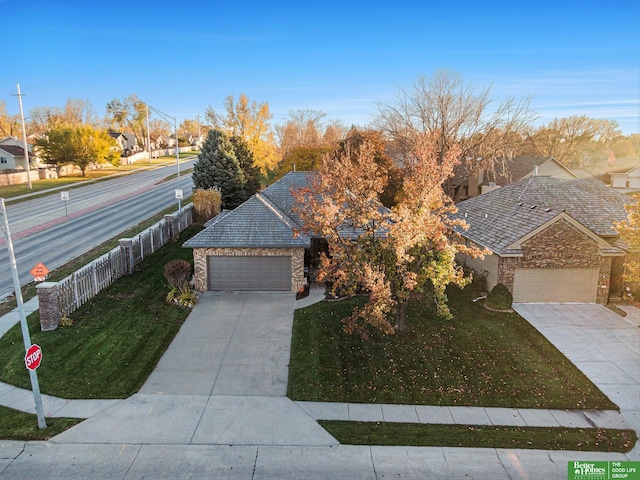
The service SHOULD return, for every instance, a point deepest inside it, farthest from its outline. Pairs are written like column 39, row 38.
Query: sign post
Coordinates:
column 33, row 357
column 64, row 196
column 35, row 386
column 39, row 272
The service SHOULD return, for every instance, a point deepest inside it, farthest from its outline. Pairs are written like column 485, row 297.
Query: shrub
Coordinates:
column 177, row 273
column 499, row 298
column 206, row 204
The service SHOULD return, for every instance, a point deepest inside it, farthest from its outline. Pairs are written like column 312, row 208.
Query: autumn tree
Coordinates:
column 574, row 141
column 302, row 159
column 79, row 145
column 306, row 128
column 217, row 167
column 10, row 125
column 249, row 121
column 129, row 114
column 457, row 116
column 629, row 232
column 75, row 112
column 393, row 254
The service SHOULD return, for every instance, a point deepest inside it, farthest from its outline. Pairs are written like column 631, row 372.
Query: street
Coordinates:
column 44, row 231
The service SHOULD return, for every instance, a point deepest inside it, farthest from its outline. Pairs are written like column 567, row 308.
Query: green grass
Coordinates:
column 480, row 436
column 29, row 290
column 117, row 339
column 480, row 358
column 15, row 425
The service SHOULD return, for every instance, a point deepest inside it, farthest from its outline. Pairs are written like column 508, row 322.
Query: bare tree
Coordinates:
column 305, row 128
column 455, row 114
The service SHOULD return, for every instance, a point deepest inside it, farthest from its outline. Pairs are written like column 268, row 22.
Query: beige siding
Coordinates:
column 487, row 267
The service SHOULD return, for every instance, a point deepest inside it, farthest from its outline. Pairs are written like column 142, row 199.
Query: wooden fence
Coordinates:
column 60, row 299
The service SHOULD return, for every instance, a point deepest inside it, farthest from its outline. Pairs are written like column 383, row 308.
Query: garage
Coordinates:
column 555, row 285
column 249, row 273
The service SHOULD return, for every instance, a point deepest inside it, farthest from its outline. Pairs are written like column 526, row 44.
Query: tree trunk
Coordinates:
column 401, row 324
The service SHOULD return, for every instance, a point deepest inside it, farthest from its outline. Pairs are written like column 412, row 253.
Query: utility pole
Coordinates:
column 148, row 134
column 24, row 136
column 35, row 386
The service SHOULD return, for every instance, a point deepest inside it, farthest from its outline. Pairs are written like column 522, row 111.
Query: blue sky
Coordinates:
column 574, row 57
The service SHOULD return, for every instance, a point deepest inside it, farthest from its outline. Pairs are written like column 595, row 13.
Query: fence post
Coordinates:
column 126, row 244
column 49, row 305
column 170, row 219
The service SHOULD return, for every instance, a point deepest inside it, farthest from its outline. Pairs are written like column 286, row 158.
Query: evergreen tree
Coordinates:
column 246, row 160
column 217, row 166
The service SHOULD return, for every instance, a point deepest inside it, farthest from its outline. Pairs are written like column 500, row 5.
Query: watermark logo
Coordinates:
column 585, row 470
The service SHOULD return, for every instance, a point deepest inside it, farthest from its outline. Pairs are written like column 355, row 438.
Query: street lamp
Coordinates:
column 35, row 386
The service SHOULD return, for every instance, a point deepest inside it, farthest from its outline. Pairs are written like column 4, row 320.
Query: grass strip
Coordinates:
column 478, row 358
column 480, row 436
column 15, row 425
column 116, row 341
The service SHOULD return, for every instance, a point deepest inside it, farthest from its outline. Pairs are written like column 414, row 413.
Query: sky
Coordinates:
column 344, row 58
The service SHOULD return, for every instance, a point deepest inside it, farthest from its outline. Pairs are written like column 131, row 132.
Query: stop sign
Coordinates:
column 33, row 357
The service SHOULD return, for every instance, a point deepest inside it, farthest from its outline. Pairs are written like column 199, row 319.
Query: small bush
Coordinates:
column 177, row 273
column 206, row 204
column 499, row 298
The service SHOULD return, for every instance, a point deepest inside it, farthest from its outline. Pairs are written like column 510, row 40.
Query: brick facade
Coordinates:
column 560, row 245
column 201, row 265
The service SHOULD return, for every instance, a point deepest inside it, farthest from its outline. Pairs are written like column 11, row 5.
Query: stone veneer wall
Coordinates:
column 561, row 245
column 201, row 265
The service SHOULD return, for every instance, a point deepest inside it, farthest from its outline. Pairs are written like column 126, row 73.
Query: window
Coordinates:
column 4, row 160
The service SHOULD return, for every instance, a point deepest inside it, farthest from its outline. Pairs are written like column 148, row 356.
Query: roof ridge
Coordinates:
column 279, row 213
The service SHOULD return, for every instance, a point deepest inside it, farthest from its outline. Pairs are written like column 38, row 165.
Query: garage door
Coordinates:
column 258, row 273
column 555, row 284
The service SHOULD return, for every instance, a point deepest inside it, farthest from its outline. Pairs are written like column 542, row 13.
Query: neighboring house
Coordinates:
column 127, row 142
column 627, row 181
column 551, row 240
column 12, row 157
column 256, row 246
column 511, row 171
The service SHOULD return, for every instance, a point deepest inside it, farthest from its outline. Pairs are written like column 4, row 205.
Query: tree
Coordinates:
column 10, row 125
column 217, row 167
column 79, row 145
column 303, row 159
column 455, row 115
column 629, row 232
column 249, row 121
column 129, row 115
column 75, row 112
column 394, row 254
column 575, row 141
column 250, row 171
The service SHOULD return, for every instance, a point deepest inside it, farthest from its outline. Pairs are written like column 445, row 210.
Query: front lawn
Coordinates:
column 117, row 339
column 479, row 358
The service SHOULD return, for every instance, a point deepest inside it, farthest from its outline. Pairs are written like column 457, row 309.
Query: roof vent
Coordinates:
column 547, row 209
column 492, row 184
column 519, row 204
column 535, row 170
column 532, row 207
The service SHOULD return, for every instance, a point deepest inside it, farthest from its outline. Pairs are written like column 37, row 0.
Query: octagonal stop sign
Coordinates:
column 33, row 357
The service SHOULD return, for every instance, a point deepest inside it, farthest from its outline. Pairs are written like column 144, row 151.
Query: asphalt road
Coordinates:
column 44, row 231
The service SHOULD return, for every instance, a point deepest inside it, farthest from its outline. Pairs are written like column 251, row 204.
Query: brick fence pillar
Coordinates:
column 49, row 306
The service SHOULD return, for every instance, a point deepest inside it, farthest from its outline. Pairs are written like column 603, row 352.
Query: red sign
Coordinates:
column 39, row 272
column 33, row 357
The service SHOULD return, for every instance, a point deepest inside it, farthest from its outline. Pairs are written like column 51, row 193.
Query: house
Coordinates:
column 12, row 157
column 127, row 142
column 551, row 240
column 257, row 246
column 628, row 181
column 512, row 170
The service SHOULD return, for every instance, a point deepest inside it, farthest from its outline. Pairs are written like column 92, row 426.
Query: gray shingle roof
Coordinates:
column 499, row 218
column 280, row 192
column 258, row 222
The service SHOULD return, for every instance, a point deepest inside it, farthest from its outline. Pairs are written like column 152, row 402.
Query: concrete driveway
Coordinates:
column 222, row 381
column 602, row 344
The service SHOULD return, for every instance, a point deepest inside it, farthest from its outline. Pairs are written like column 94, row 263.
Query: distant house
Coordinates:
column 627, row 181
column 127, row 142
column 12, row 157
column 512, row 170
column 551, row 240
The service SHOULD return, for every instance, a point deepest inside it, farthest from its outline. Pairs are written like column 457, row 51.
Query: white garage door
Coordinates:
column 259, row 273
column 555, row 284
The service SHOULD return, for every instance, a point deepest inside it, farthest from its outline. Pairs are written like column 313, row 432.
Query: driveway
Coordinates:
column 602, row 344
column 222, row 381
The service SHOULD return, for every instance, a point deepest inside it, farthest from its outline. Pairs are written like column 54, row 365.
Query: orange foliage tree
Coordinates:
column 392, row 254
